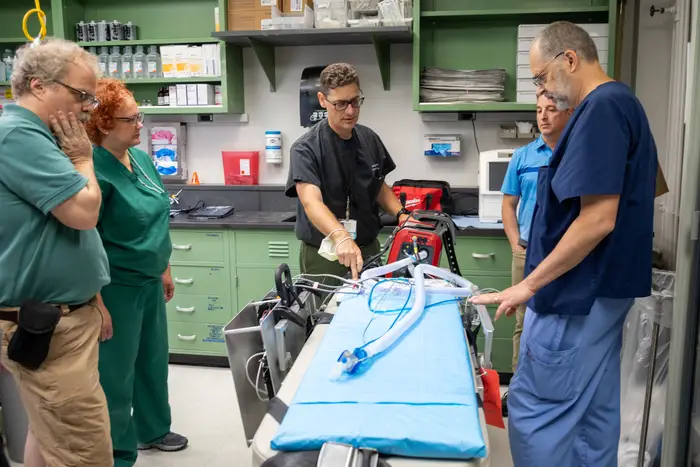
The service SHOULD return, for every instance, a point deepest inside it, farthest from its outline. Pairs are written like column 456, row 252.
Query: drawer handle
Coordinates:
column 483, row 255
column 186, row 338
column 183, row 309
column 183, row 281
column 182, row 247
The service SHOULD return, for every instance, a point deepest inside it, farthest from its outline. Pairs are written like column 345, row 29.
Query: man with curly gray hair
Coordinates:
column 52, row 263
column 337, row 171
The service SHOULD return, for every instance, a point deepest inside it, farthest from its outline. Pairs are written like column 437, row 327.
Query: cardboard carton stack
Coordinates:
column 252, row 15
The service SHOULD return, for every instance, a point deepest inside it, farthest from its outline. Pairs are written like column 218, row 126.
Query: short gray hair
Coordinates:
column 561, row 36
column 47, row 61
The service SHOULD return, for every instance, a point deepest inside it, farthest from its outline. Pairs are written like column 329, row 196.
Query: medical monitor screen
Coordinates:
column 497, row 173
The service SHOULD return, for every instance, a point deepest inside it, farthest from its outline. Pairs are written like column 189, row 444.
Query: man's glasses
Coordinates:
column 134, row 120
column 540, row 79
column 83, row 97
column 342, row 105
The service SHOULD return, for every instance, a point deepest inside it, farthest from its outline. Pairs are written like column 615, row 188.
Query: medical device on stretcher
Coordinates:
column 267, row 337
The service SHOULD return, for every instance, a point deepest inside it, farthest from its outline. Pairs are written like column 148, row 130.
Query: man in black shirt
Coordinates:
column 337, row 171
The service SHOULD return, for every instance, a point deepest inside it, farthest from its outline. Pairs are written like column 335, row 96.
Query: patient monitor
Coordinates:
column 492, row 170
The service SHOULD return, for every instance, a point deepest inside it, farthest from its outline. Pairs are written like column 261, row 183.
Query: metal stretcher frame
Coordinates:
column 260, row 447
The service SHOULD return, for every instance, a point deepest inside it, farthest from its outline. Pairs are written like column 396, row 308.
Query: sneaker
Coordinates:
column 169, row 443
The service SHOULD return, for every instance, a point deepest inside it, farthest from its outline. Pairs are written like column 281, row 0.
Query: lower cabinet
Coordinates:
column 217, row 273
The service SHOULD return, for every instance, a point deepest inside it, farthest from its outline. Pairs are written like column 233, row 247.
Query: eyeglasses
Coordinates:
column 342, row 105
column 83, row 97
column 134, row 120
column 540, row 79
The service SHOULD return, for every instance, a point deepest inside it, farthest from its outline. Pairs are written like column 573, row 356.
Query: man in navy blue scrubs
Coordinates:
column 589, row 255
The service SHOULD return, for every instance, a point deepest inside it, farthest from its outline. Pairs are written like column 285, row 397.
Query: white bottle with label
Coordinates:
column 115, row 63
column 139, row 63
column 103, row 60
column 153, row 60
column 127, row 63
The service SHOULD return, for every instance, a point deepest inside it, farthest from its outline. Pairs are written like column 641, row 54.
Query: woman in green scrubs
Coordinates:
column 134, row 226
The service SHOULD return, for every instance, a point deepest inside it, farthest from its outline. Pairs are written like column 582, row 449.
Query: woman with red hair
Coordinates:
column 134, row 226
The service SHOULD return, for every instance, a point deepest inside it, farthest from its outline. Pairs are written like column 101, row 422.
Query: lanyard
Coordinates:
column 151, row 185
column 346, row 163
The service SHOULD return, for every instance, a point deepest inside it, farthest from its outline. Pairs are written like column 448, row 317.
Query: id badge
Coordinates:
column 351, row 226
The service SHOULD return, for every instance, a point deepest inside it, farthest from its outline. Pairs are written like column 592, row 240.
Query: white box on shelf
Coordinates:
column 205, row 94
column 182, row 61
column 195, row 60
column 218, row 100
column 167, row 59
column 172, row 95
column 181, row 99
column 526, row 85
column 191, row 94
column 527, row 97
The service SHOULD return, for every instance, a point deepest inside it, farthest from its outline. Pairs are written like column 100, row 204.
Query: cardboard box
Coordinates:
column 246, row 15
column 205, row 94
column 296, row 6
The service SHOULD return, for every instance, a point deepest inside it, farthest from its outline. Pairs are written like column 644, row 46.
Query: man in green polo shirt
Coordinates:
column 51, row 252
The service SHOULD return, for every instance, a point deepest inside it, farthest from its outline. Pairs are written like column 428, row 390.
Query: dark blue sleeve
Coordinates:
column 596, row 151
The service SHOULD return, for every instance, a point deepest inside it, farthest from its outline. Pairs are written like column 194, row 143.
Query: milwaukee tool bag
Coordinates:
column 424, row 195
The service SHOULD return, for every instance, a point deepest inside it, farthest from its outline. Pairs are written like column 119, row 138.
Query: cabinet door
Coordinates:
column 199, row 309
column 253, row 283
column 196, row 338
column 267, row 248
column 201, row 280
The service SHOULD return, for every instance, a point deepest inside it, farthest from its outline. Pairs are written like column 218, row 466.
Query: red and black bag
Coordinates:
column 431, row 195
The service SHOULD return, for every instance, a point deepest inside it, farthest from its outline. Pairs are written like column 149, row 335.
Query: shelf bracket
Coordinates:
column 266, row 57
column 382, row 48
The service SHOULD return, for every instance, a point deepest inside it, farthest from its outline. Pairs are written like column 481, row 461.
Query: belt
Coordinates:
column 11, row 314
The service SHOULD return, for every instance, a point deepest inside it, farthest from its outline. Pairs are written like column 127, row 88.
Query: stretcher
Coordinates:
column 288, row 354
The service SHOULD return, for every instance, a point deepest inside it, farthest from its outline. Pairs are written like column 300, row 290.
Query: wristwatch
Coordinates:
column 402, row 211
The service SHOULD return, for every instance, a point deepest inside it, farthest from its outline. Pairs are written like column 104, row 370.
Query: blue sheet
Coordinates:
column 417, row 400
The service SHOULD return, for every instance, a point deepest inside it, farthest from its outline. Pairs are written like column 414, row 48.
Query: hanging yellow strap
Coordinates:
column 42, row 20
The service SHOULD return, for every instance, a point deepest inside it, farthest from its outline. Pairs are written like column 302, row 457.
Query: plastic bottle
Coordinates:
column 7, row 59
column 115, row 63
column 154, row 64
column 166, row 96
column 139, row 63
column 127, row 63
column 103, row 60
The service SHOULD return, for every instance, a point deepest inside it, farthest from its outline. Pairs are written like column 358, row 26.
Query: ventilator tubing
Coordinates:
column 348, row 362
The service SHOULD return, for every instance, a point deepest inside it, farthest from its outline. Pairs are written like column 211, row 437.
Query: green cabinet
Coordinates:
column 217, row 273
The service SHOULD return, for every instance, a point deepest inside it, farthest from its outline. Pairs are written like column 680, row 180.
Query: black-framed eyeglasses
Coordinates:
column 134, row 120
column 83, row 97
column 539, row 79
column 342, row 105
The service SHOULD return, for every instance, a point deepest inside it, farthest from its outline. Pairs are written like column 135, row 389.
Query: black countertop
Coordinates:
column 246, row 220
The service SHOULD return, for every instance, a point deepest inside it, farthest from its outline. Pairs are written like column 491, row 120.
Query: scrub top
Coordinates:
column 521, row 180
column 353, row 168
column 40, row 258
column 606, row 149
column 134, row 219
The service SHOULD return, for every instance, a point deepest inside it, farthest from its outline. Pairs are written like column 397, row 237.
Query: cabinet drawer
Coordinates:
column 196, row 338
column 484, row 254
column 266, row 248
column 197, row 247
column 199, row 309
column 201, row 280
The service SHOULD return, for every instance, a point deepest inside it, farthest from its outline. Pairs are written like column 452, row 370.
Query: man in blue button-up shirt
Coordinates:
column 588, row 257
column 520, row 188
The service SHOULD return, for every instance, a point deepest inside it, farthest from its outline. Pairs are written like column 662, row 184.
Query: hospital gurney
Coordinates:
column 289, row 353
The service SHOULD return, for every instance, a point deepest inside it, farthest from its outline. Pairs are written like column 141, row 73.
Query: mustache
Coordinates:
column 83, row 117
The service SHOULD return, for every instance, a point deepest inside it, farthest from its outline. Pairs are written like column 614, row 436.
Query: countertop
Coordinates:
column 246, row 220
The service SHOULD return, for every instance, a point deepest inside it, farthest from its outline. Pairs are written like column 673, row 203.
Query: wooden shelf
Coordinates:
column 513, row 12
column 477, row 107
column 194, row 41
column 182, row 110
column 194, row 79
column 264, row 43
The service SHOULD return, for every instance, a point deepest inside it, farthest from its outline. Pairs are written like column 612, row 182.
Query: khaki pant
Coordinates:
column 65, row 404
column 518, row 274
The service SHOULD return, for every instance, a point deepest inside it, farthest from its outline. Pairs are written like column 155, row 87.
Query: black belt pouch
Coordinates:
column 36, row 323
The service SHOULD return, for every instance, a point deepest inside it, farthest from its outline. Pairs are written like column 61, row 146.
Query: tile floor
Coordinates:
column 205, row 410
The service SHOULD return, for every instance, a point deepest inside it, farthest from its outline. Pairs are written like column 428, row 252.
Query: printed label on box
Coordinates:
column 245, row 166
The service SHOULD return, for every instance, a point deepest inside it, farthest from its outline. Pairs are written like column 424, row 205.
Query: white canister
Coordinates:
column 273, row 147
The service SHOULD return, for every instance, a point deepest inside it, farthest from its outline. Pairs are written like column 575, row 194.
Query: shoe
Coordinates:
column 504, row 405
column 169, row 443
